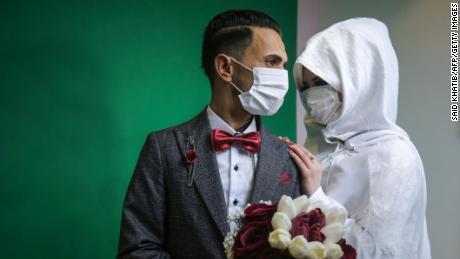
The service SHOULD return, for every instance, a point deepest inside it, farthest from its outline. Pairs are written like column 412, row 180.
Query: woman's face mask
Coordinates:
column 321, row 103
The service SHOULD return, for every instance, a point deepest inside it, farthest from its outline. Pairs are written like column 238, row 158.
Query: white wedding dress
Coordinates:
column 374, row 171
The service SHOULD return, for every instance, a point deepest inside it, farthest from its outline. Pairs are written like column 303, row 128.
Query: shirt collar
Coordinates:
column 217, row 122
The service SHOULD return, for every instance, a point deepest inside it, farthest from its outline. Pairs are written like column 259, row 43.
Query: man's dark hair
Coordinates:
column 230, row 33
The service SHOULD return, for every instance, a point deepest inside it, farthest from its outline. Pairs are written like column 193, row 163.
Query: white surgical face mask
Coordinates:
column 267, row 92
column 322, row 103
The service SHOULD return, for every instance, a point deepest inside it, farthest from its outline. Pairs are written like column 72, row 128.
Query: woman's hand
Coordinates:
column 310, row 169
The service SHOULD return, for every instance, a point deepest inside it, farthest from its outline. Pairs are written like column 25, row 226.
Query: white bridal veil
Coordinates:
column 375, row 171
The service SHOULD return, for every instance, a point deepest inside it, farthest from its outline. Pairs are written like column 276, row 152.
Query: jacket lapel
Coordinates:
column 207, row 178
column 269, row 166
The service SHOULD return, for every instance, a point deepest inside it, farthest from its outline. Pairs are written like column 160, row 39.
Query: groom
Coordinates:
column 190, row 177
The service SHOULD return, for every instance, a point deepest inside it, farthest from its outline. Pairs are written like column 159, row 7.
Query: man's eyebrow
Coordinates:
column 276, row 58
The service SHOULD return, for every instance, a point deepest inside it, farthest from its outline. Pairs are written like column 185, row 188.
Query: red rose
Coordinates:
column 252, row 239
column 348, row 251
column 309, row 225
column 191, row 156
column 259, row 211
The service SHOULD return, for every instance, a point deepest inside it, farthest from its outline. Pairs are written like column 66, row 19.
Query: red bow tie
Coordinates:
column 221, row 140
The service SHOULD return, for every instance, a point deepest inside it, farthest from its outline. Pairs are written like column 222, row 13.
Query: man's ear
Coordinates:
column 224, row 68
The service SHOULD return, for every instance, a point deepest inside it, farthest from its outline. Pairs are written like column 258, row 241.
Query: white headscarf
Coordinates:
column 375, row 172
column 357, row 59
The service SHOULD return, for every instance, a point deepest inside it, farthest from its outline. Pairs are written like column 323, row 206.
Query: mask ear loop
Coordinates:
column 238, row 89
column 242, row 64
column 234, row 86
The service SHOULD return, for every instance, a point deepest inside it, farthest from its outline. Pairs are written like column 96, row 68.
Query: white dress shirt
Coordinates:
column 236, row 165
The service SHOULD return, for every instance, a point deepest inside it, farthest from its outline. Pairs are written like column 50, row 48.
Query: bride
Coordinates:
column 347, row 78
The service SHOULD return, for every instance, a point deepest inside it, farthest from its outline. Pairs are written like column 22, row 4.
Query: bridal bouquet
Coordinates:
column 290, row 229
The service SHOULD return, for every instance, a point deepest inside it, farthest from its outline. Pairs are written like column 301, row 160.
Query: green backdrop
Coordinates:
column 82, row 84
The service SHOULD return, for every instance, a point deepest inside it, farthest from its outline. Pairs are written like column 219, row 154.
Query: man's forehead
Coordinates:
column 266, row 42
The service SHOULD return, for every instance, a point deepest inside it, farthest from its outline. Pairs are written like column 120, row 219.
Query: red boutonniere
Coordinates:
column 190, row 158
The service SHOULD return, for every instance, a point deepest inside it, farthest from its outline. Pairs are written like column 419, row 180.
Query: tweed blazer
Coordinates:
column 165, row 217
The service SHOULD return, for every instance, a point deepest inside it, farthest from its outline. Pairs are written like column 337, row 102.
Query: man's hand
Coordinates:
column 310, row 168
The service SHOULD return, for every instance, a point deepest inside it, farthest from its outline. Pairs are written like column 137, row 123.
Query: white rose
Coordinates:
column 281, row 220
column 279, row 239
column 333, row 232
column 298, row 247
column 286, row 205
column 318, row 204
column 336, row 215
column 333, row 251
column 301, row 204
column 316, row 250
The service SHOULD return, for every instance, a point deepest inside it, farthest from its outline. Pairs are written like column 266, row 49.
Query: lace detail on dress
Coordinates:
column 386, row 252
column 383, row 189
column 360, row 219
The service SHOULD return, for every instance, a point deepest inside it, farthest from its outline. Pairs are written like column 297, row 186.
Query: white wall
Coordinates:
column 420, row 33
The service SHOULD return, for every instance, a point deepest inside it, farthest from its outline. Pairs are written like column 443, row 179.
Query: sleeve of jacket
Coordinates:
column 142, row 232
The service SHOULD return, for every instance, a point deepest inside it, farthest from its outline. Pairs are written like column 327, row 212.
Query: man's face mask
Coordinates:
column 321, row 102
column 267, row 92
